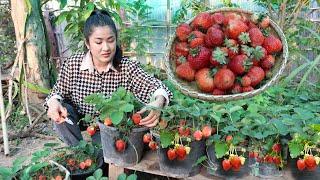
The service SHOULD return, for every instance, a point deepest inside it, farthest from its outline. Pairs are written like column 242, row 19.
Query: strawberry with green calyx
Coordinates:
column 91, row 130
column 153, row 145
column 230, row 16
column 195, row 39
column 240, row 64
column 185, row 72
column 120, row 145
column 181, row 152
column 244, row 38
column 261, row 19
column 207, row 131
column 136, row 118
column 235, row 28
column 226, row 164
column 147, row 138
column 258, row 53
column 233, row 47
column 256, row 37
column 197, row 135
column 199, row 57
column 301, row 165
column 245, row 81
column 183, row 31
column 219, row 57
column 171, row 154
column 204, row 79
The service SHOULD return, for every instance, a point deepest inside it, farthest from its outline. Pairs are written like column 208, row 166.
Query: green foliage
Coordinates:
column 136, row 36
column 123, row 176
column 77, row 15
column 115, row 107
column 221, row 148
column 97, row 175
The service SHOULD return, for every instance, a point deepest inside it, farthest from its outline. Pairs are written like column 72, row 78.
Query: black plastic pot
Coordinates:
column 186, row 167
column 305, row 174
column 133, row 152
column 216, row 168
column 85, row 174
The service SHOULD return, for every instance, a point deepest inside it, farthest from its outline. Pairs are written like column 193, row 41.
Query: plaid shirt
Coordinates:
column 78, row 78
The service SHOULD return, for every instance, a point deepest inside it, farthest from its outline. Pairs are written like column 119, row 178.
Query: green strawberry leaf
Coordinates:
column 166, row 138
column 221, row 149
column 295, row 149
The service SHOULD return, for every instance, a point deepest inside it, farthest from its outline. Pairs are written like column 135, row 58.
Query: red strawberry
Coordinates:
column 265, row 22
column 182, row 122
column 199, row 57
column 184, row 131
column 153, row 145
column 197, row 135
column 226, row 165
column 235, row 28
column 276, row 160
column 202, row 21
column 272, row 44
column 184, row 71
column 256, row 37
column 301, row 165
column 204, row 79
column 91, row 130
column 253, row 154
column 268, row 62
column 181, row 49
column 256, row 75
column 310, row 161
column 235, row 162
column 258, row 53
column 214, row 37
column 229, row 138
column 147, row 138
column 224, row 79
column 247, row 89
column 120, row 145
column 251, row 25
column 58, row 177
column 88, row 162
column 180, row 60
column 171, row 153
column 196, row 39
column 181, row 152
column 276, row 147
column 218, row 18
column 82, row 165
column 42, row 177
column 206, row 131
column 108, row 122
column 240, row 64
column 136, row 118
column 71, row 162
column 230, row 16
column 236, row 88
column 183, row 31
column 246, row 81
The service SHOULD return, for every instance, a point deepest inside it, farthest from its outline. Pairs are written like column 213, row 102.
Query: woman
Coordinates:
column 102, row 69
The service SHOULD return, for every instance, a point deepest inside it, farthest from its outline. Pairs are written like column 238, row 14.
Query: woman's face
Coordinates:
column 102, row 45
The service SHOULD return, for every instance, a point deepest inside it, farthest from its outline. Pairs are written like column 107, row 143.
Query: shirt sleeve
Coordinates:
column 144, row 86
column 62, row 89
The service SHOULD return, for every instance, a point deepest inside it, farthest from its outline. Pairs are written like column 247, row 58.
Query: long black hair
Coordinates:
column 99, row 18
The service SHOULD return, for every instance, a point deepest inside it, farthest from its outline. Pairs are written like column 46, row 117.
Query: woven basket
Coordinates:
column 190, row 89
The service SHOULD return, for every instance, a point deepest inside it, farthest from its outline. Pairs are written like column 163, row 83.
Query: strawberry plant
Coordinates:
column 82, row 158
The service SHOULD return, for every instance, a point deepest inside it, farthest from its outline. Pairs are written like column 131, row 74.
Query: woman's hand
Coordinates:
column 56, row 111
column 153, row 117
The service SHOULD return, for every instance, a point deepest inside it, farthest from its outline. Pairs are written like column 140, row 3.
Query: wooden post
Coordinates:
column 3, row 121
column 115, row 171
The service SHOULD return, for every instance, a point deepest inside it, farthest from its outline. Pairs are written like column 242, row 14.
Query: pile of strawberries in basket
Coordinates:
column 227, row 52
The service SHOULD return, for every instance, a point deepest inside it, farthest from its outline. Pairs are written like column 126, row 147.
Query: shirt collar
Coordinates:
column 87, row 64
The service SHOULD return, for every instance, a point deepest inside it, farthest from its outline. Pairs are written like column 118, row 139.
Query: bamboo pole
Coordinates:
column 3, row 122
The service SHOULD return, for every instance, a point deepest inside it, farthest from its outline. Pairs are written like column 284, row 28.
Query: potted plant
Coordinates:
column 121, row 135
column 81, row 160
column 38, row 166
column 181, row 135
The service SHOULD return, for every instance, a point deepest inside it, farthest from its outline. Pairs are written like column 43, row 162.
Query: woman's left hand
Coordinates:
column 153, row 117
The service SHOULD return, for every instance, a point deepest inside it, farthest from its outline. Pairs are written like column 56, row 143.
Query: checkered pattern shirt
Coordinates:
column 76, row 81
